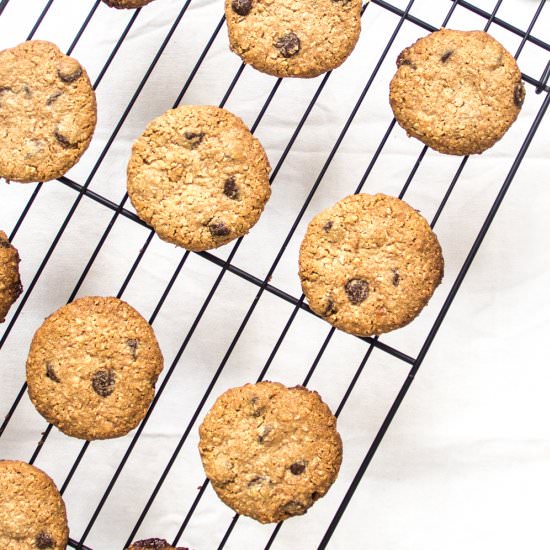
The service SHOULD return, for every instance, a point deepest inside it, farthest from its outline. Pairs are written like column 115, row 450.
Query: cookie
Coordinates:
column 32, row 512
column 369, row 264
column 10, row 282
column 270, row 451
column 289, row 38
column 127, row 3
column 92, row 368
column 154, row 544
column 47, row 112
column 198, row 177
column 457, row 91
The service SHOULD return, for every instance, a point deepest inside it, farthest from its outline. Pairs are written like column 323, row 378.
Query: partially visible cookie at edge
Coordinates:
column 127, row 3
column 32, row 512
column 293, row 39
column 154, row 544
column 47, row 112
column 198, row 177
column 369, row 264
column 270, row 451
column 457, row 91
column 92, row 368
column 10, row 281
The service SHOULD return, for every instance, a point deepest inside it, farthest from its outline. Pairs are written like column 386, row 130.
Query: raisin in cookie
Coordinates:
column 47, row 112
column 288, row 38
column 198, row 177
column 92, row 368
column 457, row 91
column 154, row 544
column 32, row 512
column 127, row 3
column 10, row 282
column 369, row 264
column 270, row 451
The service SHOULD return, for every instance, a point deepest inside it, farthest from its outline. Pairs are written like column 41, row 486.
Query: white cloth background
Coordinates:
column 465, row 463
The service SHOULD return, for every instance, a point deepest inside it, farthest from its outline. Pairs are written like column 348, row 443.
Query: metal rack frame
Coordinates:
column 83, row 189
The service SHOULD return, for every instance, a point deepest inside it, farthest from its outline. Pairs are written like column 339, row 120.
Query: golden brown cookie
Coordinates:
column 127, row 3
column 457, row 91
column 32, row 512
column 270, row 451
column 369, row 264
column 47, row 112
column 290, row 38
column 198, row 177
column 154, row 544
column 92, row 368
column 10, row 282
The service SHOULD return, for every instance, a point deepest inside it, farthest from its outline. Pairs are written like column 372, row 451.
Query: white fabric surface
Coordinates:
column 465, row 463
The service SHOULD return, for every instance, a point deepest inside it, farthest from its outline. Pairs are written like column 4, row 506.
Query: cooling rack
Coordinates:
column 255, row 285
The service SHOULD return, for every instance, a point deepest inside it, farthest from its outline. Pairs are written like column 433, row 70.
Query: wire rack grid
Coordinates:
column 225, row 273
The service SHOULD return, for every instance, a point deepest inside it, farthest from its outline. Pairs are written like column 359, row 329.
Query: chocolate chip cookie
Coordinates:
column 47, row 112
column 92, row 368
column 32, row 512
column 154, row 544
column 198, row 177
column 10, row 282
column 369, row 264
column 270, row 451
column 127, row 3
column 457, row 91
column 288, row 38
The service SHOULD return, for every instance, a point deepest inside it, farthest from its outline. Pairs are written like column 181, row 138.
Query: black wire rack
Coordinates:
column 403, row 14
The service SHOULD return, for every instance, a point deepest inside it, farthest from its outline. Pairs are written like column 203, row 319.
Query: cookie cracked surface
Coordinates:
column 47, row 112
column 32, row 512
column 92, row 368
column 270, row 451
column 369, row 264
column 293, row 38
column 198, row 177
column 457, row 91
column 10, row 281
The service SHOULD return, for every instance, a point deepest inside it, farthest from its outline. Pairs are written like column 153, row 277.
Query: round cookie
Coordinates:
column 154, row 544
column 457, row 91
column 127, row 3
column 198, row 177
column 10, row 282
column 270, row 451
column 288, row 38
column 92, row 368
column 369, row 264
column 47, row 112
column 32, row 512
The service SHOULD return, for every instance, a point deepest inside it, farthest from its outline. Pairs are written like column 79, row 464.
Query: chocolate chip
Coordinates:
column 519, row 94
column 4, row 243
column 241, row 7
column 219, row 229
column 194, row 138
column 27, row 91
column 288, row 44
column 446, row 55
column 157, row 544
column 69, row 70
column 357, row 290
column 64, row 141
column 328, row 226
column 258, row 411
column 293, row 508
column 43, row 540
column 257, row 480
column 50, row 372
column 230, row 188
column 133, row 344
column 4, row 89
column 298, row 468
column 315, row 496
column 267, row 429
column 330, row 309
column 103, row 382
column 402, row 60
column 53, row 98
column 396, row 277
